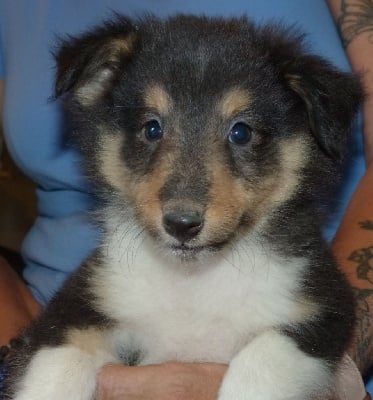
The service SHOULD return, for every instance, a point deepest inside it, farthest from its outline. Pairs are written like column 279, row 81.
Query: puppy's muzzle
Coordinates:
column 183, row 226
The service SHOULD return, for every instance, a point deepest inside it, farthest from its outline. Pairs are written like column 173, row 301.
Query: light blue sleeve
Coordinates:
column 2, row 68
column 1, row 63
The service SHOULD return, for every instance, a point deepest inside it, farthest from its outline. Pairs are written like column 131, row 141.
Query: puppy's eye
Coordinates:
column 153, row 130
column 240, row 133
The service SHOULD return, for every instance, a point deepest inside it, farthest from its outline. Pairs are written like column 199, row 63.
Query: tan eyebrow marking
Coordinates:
column 234, row 101
column 158, row 99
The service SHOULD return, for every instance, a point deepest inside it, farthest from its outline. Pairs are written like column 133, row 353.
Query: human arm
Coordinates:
column 18, row 306
column 353, row 247
column 353, row 244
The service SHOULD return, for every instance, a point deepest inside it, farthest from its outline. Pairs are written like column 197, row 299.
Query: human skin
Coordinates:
column 18, row 306
column 353, row 244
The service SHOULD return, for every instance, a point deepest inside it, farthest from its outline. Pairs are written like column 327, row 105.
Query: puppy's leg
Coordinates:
column 273, row 367
column 67, row 371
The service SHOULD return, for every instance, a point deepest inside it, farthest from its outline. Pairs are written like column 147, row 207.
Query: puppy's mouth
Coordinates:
column 185, row 252
column 188, row 252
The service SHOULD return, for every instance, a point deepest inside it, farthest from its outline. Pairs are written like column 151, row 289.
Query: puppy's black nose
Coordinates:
column 183, row 226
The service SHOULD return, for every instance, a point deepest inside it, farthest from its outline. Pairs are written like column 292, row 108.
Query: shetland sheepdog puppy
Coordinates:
column 213, row 146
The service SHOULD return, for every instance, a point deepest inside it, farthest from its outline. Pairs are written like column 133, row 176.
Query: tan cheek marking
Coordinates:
column 234, row 101
column 158, row 99
column 227, row 203
column 147, row 202
column 146, row 194
column 293, row 157
column 280, row 186
column 112, row 166
column 231, row 198
column 142, row 193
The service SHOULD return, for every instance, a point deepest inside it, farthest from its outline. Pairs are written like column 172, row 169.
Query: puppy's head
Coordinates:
column 205, row 127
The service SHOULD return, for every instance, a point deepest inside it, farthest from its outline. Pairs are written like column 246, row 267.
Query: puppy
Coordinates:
column 213, row 146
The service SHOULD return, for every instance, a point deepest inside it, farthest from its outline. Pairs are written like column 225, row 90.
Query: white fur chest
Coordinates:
column 169, row 310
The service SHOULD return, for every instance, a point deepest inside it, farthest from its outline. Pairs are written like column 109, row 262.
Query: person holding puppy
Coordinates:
column 64, row 196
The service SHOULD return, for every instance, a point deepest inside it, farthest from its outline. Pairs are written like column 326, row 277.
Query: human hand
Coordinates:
column 168, row 381
column 182, row 381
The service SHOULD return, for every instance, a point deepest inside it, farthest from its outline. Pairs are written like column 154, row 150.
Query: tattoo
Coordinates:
column 364, row 298
column 356, row 18
column 363, row 326
column 364, row 259
column 366, row 225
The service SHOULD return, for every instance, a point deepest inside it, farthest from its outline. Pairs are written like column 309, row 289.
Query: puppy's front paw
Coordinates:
column 272, row 367
column 66, row 372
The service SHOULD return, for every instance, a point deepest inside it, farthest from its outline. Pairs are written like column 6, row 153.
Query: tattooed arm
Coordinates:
column 353, row 246
column 355, row 22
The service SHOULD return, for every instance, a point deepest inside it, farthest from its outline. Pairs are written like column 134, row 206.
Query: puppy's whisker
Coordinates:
column 231, row 261
column 130, row 244
column 137, row 240
column 245, row 254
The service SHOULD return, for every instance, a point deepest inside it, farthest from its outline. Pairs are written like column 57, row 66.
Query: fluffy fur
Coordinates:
column 213, row 146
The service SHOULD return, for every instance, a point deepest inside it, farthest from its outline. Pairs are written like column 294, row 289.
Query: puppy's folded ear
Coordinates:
column 86, row 65
column 331, row 99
